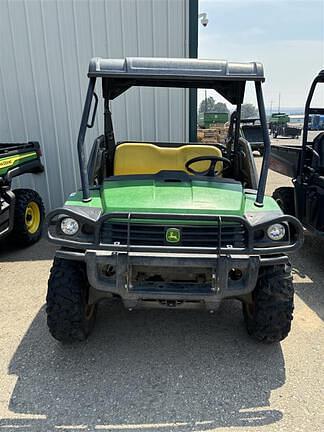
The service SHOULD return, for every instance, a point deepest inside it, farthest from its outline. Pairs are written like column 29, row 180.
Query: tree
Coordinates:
column 210, row 104
column 248, row 110
column 218, row 107
column 221, row 107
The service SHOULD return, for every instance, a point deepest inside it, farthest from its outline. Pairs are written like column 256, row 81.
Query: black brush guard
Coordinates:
column 126, row 258
column 251, row 247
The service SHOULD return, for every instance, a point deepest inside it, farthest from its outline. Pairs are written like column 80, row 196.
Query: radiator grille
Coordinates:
column 233, row 234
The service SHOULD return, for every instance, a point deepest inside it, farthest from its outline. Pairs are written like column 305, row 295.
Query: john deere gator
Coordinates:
column 21, row 210
column 171, row 225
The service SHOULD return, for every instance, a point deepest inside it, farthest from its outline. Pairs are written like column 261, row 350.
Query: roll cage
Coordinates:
column 118, row 75
column 306, row 145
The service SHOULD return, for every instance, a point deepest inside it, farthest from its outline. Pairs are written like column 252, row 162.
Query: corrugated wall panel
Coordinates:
column 45, row 49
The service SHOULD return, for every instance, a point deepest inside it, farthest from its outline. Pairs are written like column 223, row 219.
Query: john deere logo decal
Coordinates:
column 173, row 235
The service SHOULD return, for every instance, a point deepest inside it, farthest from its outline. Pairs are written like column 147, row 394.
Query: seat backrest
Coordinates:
column 146, row 158
column 318, row 145
column 96, row 162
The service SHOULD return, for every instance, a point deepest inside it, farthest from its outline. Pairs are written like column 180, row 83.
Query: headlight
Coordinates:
column 69, row 226
column 276, row 232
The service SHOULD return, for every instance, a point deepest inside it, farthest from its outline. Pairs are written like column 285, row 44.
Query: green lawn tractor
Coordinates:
column 171, row 225
column 21, row 210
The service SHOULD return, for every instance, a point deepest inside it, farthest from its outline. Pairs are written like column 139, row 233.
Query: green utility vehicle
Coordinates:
column 21, row 210
column 280, row 125
column 209, row 118
column 171, row 225
column 304, row 164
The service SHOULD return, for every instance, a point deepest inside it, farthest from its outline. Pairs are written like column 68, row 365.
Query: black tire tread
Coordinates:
column 273, row 305
column 66, row 301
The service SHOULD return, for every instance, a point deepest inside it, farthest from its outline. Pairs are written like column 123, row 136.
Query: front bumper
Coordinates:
column 136, row 294
column 146, row 275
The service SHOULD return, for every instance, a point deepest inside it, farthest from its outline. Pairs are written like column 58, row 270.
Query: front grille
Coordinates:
column 233, row 234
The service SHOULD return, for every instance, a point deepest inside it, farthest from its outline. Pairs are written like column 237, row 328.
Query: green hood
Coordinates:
column 194, row 196
column 191, row 196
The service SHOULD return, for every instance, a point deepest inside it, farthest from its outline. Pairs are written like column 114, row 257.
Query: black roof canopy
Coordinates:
column 227, row 78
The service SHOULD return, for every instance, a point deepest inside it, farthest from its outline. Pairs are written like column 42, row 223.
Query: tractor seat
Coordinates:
column 146, row 158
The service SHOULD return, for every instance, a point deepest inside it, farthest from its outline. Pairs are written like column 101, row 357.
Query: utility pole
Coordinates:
column 206, row 100
column 279, row 104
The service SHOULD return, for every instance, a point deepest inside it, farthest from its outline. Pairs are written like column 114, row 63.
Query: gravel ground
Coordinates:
column 158, row 370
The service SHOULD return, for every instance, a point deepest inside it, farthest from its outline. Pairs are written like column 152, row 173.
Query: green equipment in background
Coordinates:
column 280, row 125
column 206, row 119
column 21, row 210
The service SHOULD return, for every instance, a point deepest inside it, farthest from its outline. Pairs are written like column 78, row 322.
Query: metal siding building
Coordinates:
column 45, row 50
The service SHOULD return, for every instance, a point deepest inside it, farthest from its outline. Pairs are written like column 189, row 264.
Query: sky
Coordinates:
column 287, row 36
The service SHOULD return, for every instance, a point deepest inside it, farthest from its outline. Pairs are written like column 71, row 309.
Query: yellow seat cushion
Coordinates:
column 146, row 158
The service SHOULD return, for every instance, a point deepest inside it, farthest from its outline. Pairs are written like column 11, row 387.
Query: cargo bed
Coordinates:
column 6, row 149
column 19, row 158
column 284, row 159
column 253, row 134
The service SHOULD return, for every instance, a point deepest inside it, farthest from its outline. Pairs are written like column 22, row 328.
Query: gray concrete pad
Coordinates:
column 158, row 370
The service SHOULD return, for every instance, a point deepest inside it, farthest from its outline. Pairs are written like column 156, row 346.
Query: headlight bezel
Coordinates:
column 261, row 238
column 86, row 233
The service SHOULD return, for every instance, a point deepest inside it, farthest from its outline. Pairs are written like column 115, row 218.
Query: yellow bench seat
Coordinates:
column 147, row 158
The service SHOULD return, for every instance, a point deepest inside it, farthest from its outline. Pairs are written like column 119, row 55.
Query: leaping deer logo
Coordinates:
column 173, row 235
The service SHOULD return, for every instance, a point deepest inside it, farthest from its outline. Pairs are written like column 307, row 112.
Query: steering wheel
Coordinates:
column 210, row 172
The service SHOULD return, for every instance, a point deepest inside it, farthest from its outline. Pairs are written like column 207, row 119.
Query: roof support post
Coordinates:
column 318, row 79
column 81, row 137
column 236, row 139
column 267, row 146
column 109, row 137
column 193, row 53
